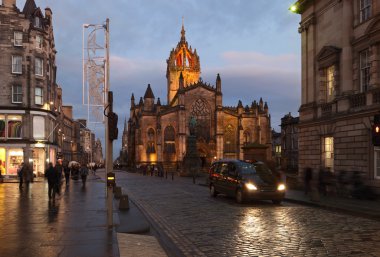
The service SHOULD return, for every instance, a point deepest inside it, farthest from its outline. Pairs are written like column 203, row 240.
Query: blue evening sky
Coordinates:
column 253, row 44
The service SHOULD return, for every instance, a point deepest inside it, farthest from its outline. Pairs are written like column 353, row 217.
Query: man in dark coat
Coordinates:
column 52, row 176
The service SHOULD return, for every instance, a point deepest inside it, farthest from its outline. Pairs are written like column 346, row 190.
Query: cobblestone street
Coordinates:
column 203, row 226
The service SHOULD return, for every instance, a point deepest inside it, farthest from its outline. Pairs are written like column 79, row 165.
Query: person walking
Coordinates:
column 58, row 168
column 19, row 174
column 83, row 173
column 27, row 173
column 52, row 177
column 308, row 176
column 66, row 170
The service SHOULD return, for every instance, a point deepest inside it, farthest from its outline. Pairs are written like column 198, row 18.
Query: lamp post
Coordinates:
column 108, row 142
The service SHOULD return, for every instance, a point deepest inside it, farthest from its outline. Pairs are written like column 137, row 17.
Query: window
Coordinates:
column 38, row 127
column 39, row 41
column 14, row 126
column 2, row 126
column 39, row 66
column 328, row 152
column 247, row 137
column 330, row 83
column 200, row 111
column 377, row 162
column 37, row 22
column 17, row 64
column 229, row 139
column 38, row 96
column 16, row 94
column 17, row 38
column 365, row 10
column 169, row 140
column 151, row 142
column 364, row 70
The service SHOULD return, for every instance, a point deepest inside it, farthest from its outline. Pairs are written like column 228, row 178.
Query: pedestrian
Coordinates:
column 27, row 174
column 66, row 170
column 58, row 168
column 308, row 176
column 19, row 174
column 95, row 167
column 83, row 174
column 52, row 176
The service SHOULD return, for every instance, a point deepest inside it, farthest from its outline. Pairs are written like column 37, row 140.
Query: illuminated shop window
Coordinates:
column 2, row 161
column 2, row 126
column 377, row 162
column 14, row 126
column 15, row 158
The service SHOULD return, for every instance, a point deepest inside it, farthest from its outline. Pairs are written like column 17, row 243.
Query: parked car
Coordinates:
column 244, row 181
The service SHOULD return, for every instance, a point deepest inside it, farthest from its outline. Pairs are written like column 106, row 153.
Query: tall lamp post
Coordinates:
column 106, row 68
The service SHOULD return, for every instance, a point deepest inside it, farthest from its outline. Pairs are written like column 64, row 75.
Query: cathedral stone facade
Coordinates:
column 157, row 133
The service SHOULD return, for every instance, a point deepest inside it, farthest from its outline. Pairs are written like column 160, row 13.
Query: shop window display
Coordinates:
column 14, row 126
column 15, row 158
column 2, row 126
column 2, row 161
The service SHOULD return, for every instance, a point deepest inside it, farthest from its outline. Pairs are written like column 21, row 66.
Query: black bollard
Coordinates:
column 166, row 174
column 172, row 175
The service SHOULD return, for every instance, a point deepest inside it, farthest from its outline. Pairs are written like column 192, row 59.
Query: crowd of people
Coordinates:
column 340, row 183
column 54, row 176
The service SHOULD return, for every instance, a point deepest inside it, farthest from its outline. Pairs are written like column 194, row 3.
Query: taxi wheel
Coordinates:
column 276, row 201
column 239, row 196
column 213, row 192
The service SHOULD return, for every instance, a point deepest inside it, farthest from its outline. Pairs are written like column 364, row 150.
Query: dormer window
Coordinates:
column 37, row 22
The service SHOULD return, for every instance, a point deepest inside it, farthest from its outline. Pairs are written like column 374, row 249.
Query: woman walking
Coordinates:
column 83, row 174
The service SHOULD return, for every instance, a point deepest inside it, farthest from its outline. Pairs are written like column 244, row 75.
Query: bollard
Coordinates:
column 124, row 203
column 166, row 174
column 118, row 192
column 172, row 175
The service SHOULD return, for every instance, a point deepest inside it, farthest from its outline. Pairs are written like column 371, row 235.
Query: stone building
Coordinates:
column 27, row 87
column 157, row 132
column 289, row 142
column 340, row 86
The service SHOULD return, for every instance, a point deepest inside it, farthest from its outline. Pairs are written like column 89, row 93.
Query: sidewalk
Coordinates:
column 358, row 207
column 74, row 225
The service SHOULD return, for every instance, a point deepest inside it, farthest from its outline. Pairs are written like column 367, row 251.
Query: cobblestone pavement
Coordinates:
column 200, row 225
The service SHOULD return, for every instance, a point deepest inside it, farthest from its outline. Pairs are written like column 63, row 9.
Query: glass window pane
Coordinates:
column 38, row 127
column 16, row 94
column 15, row 158
column 17, row 64
column 38, row 95
column 18, row 38
column 14, row 126
column 2, row 126
column 39, row 66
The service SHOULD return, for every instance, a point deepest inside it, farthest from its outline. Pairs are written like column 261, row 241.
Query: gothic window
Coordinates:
column 169, row 140
column 201, row 112
column 151, row 142
column 247, row 137
column 229, row 139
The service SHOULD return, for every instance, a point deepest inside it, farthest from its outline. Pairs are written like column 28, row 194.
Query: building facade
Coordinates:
column 27, row 87
column 158, row 133
column 289, row 142
column 340, row 86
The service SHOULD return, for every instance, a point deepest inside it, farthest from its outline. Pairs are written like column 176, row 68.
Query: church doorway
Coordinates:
column 205, row 162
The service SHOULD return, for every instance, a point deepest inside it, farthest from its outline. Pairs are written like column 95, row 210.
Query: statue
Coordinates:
column 192, row 125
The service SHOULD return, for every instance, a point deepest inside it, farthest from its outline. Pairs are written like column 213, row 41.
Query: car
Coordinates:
column 244, row 181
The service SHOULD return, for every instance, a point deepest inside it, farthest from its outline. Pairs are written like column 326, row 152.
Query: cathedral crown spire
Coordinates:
column 183, row 38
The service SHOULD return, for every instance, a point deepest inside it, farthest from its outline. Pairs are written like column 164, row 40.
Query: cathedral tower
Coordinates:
column 182, row 59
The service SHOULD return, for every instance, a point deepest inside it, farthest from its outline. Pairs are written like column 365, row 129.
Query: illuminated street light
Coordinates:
column 294, row 8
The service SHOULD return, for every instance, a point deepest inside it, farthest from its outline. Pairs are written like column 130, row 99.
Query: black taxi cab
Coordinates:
column 244, row 181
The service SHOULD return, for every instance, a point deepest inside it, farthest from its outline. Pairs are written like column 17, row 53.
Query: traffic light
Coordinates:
column 112, row 126
column 376, row 130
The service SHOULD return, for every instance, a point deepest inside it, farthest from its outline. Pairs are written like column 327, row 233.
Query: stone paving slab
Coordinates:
column 131, row 245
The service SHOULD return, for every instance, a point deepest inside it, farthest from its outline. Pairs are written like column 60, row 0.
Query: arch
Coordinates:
column 151, row 141
column 200, row 110
column 169, row 140
column 230, row 139
column 247, row 137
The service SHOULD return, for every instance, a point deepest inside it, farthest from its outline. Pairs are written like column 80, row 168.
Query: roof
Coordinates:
column 29, row 8
column 148, row 93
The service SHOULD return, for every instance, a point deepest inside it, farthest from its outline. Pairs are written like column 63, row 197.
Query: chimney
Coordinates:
column 9, row 3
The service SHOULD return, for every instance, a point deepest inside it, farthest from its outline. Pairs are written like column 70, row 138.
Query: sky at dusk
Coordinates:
column 253, row 44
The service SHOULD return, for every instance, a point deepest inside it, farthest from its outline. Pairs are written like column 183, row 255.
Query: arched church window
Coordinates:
column 247, row 137
column 151, row 142
column 201, row 112
column 229, row 139
column 169, row 140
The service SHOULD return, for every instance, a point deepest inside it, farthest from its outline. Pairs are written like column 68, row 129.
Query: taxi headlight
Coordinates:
column 250, row 186
column 281, row 187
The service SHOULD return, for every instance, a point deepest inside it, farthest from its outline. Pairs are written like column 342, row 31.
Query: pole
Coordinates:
column 108, row 142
